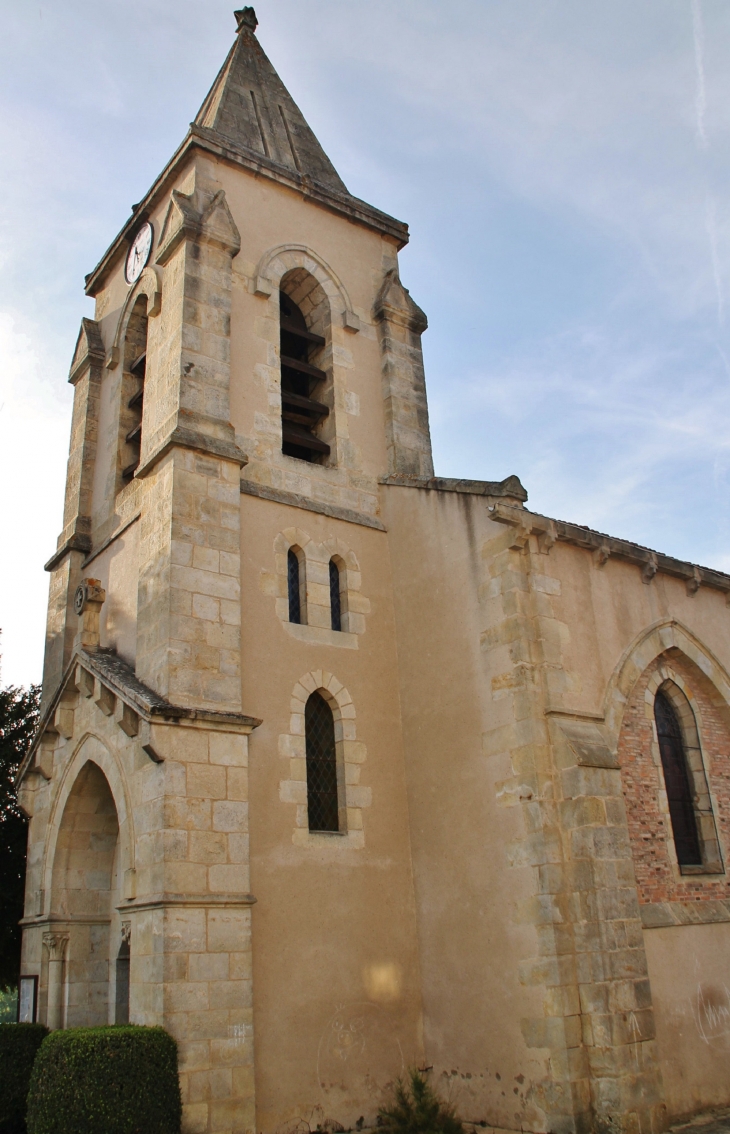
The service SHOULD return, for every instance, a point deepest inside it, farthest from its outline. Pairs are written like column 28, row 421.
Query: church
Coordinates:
column 344, row 767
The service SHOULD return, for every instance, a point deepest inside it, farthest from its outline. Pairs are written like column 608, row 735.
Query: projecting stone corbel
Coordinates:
column 262, row 287
column 694, row 583
column 650, row 568
column 601, row 555
column 547, row 538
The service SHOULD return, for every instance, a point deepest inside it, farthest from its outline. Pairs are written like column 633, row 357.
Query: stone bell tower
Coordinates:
column 252, row 373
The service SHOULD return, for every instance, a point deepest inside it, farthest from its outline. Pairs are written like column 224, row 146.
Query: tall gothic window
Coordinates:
column 297, row 585
column 302, row 411
column 335, row 601
column 322, row 799
column 678, row 783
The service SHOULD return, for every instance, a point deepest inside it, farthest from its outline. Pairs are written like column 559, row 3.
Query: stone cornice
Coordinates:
column 510, row 487
column 295, row 500
column 662, row 915
column 77, row 542
column 199, row 901
column 208, row 141
column 604, row 547
column 118, row 677
column 199, row 442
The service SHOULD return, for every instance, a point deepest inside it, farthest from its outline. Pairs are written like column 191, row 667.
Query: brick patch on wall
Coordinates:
column 655, row 862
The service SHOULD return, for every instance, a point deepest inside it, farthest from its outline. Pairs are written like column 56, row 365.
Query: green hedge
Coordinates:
column 19, row 1044
column 115, row 1080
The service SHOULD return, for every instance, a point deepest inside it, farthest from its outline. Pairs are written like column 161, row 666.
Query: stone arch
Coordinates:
column 149, row 284
column 86, row 890
column 662, row 638
column 286, row 258
column 351, row 755
column 91, row 748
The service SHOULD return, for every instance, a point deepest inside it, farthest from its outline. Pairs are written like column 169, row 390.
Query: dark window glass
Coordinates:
column 121, row 1008
column 321, row 765
column 677, row 783
column 295, row 606
column 335, row 606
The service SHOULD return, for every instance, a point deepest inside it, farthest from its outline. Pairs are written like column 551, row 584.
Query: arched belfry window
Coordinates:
column 135, row 364
column 322, row 794
column 678, row 782
column 335, row 596
column 297, row 586
column 302, row 385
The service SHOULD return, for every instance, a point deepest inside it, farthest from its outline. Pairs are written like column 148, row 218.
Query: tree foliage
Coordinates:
column 417, row 1109
column 19, row 713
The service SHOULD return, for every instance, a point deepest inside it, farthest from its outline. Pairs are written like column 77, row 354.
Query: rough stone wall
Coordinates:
column 655, row 863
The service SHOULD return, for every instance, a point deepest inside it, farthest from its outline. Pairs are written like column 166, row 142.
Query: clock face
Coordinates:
column 139, row 253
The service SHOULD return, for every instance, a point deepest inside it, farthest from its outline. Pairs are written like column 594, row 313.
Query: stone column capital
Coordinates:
column 56, row 944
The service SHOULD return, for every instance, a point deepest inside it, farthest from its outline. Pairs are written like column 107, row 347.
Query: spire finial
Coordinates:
column 246, row 18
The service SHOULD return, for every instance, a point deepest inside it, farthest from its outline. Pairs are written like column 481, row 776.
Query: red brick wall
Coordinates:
column 650, row 829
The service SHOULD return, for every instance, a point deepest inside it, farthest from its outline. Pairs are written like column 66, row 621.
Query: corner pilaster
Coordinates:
column 597, row 1026
column 75, row 540
column 188, row 639
column 400, row 326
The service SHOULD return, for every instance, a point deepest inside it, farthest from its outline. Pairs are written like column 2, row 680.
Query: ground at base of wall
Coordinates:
column 709, row 1122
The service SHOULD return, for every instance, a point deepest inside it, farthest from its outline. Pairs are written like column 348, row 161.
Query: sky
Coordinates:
column 564, row 168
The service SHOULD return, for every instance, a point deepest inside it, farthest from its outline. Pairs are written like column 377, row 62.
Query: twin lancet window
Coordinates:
column 297, row 588
column 301, row 382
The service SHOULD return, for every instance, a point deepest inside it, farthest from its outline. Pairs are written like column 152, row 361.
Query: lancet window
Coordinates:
column 322, row 794
column 335, row 596
column 297, row 586
column 302, row 384
column 678, row 782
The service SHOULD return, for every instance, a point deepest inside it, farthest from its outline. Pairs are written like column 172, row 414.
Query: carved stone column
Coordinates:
column 56, row 943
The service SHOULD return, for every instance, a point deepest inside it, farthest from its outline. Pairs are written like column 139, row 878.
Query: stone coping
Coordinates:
column 296, row 500
column 511, row 487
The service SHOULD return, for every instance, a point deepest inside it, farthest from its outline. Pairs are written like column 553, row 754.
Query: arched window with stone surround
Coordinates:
column 322, row 792
column 678, row 781
column 306, row 397
column 297, row 586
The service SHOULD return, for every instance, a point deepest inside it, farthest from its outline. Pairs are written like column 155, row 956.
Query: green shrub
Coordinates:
column 18, row 1046
column 417, row 1109
column 115, row 1080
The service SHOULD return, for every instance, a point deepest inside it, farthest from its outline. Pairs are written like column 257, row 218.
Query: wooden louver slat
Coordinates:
column 303, row 367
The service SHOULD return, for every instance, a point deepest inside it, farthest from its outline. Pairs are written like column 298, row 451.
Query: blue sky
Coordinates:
column 564, row 168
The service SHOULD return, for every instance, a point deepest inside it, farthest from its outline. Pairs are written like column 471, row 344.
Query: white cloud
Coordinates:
column 34, row 426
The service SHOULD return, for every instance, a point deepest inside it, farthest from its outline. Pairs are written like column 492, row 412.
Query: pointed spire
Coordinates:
column 249, row 106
